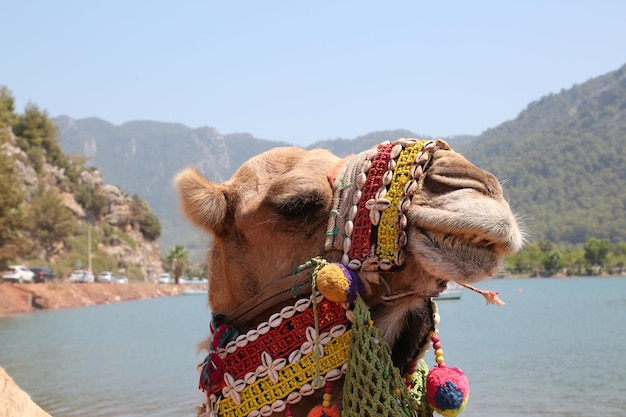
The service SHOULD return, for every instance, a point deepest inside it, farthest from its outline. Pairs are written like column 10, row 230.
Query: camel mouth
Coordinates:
column 465, row 242
column 447, row 242
column 466, row 257
column 504, row 239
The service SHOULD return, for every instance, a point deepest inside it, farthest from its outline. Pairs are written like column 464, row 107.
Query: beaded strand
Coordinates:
column 361, row 236
column 378, row 184
column 386, row 238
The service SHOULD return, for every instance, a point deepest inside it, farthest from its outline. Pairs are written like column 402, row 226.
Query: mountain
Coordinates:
column 344, row 147
column 144, row 157
column 563, row 160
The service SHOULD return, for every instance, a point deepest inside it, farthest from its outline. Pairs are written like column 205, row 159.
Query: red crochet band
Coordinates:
column 361, row 235
column 279, row 342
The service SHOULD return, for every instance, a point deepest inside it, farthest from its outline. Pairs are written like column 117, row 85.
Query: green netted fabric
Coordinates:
column 373, row 386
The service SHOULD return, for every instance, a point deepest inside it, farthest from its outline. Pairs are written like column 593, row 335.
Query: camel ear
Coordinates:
column 203, row 202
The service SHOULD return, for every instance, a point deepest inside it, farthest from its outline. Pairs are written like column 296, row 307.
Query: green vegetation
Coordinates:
column 144, row 219
column 91, row 200
column 37, row 179
column 543, row 258
column 563, row 162
column 13, row 240
column 7, row 108
column 49, row 221
column 178, row 259
column 111, row 234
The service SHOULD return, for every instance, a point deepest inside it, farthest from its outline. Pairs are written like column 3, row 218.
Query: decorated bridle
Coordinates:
column 327, row 333
column 371, row 194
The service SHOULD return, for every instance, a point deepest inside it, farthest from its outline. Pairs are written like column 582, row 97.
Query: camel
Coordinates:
column 14, row 402
column 322, row 277
column 303, row 235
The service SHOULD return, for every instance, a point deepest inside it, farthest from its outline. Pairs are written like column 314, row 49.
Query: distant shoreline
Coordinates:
column 28, row 298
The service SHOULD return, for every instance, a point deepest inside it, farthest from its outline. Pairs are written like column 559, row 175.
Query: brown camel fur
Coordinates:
column 14, row 402
column 273, row 215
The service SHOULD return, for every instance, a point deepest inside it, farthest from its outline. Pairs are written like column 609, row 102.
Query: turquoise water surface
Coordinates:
column 558, row 348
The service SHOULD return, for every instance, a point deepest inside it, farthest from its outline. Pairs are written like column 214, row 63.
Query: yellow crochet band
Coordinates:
column 386, row 238
column 264, row 392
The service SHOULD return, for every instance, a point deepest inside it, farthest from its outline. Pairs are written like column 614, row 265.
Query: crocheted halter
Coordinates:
column 304, row 348
column 372, row 193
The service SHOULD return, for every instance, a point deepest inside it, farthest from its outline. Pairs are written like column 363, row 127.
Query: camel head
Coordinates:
column 406, row 216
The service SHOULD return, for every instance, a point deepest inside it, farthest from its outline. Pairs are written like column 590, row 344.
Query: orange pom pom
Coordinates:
column 332, row 283
column 319, row 411
column 339, row 283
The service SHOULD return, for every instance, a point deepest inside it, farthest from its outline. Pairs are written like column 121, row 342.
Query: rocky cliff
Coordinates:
column 117, row 241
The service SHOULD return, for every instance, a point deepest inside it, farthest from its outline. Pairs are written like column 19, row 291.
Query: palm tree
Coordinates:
column 178, row 259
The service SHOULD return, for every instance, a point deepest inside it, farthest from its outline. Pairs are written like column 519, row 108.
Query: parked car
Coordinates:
column 43, row 274
column 106, row 276
column 121, row 280
column 18, row 273
column 164, row 278
column 81, row 275
column 193, row 281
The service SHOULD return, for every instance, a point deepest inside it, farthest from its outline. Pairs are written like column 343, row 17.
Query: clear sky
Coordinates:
column 301, row 71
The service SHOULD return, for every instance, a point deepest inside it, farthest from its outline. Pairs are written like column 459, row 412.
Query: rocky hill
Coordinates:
column 51, row 206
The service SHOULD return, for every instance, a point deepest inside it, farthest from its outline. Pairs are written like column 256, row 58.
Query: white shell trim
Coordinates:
column 269, row 366
column 274, row 321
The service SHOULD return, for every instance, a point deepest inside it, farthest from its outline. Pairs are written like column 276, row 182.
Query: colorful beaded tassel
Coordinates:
column 447, row 388
column 327, row 409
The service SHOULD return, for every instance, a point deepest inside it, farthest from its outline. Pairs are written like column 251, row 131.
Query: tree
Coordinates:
column 13, row 241
column 7, row 108
column 92, row 201
column 37, row 136
column 618, row 256
column 552, row 261
column 596, row 252
column 530, row 259
column 150, row 226
column 178, row 259
column 35, row 129
column 147, row 222
column 49, row 220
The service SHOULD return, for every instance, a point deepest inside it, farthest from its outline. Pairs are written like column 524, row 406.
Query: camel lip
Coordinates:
column 487, row 223
column 444, row 238
column 452, row 258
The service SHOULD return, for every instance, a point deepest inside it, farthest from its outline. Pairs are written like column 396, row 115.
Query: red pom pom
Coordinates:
column 447, row 390
column 320, row 411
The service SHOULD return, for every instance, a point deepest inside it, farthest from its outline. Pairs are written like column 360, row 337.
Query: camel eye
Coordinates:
column 297, row 206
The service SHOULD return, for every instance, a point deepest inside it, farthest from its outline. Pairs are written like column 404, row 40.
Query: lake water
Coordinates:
column 558, row 348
